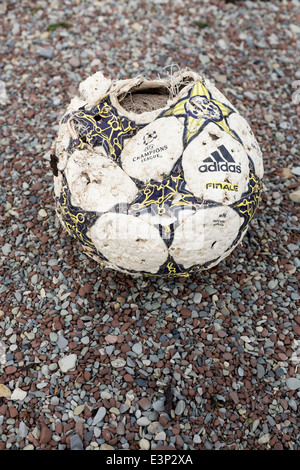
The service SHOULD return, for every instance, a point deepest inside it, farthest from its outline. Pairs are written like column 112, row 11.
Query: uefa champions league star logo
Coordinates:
column 201, row 107
column 149, row 137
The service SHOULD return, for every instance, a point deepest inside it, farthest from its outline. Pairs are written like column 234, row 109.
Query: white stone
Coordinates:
column 295, row 195
column 67, row 363
column 105, row 394
column 160, row 436
column 296, row 170
column 6, row 249
column 119, row 362
column 13, row 338
column 255, row 425
column 3, row 94
column 264, row 439
column 18, row 394
column 144, row 444
column 36, row 432
column 42, row 213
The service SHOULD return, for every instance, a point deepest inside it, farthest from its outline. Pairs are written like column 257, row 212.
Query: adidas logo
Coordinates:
column 220, row 161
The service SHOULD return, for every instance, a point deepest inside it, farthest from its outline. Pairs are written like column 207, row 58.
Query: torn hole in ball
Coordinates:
column 86, row 177
column 141, row 99
column 145, row 100
column 213, row 136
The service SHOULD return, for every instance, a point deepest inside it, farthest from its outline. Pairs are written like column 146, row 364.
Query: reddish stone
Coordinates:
column 106, row 434
column 128, row 378
column 234, row 397
column 86, row 375
column 58, row 428
column 36, row 186
column 85, row 289
column 10, row 370
column 144, row 403
column 46, row 435
column 125, row 326
column 176, row 429
column 79, row 429
column 32, row 439
column 296, row 329
column 111, row 339
column 164, row 420
column 87, row 412
column 185, row 312
column 3, row 410
column 13, row 412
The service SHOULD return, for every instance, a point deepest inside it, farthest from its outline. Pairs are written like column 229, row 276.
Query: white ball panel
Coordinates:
column 205, row 235
column 153, row 151
column 94, row 87
column 97, row 183
column 129, row 242
column 216, row 166
column 243, row 130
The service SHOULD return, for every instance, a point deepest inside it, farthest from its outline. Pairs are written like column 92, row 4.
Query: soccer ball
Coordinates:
column 155, row 177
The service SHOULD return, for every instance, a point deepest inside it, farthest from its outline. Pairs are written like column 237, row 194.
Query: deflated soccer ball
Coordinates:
column 155, row 177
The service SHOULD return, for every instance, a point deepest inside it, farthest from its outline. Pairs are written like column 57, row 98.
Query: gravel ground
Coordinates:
column 97, row 360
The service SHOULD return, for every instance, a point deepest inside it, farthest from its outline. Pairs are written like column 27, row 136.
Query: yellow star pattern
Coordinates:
column 199, row 108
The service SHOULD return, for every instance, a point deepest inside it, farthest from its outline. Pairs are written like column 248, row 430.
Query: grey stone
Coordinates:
column 180, row 407
column 62, row 343
column 46, row 53
column 197, row 297
column 53, row 337
column 158, row 405
column 143, row 421
column 23, row 430
column 137, row 348
column 293, row 383
column 99, row 415
column 250, row 95
column 76, row 443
